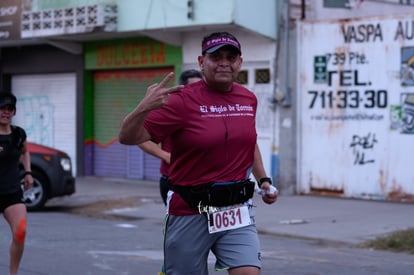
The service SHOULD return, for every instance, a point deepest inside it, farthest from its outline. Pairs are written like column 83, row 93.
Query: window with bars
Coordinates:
column 69, row 20
column 261, row 76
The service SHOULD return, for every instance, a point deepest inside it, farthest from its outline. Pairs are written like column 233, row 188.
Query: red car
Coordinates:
column 52, row 175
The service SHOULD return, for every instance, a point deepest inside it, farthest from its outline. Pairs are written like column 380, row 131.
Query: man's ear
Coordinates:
column 241, row 62
column 201, row 62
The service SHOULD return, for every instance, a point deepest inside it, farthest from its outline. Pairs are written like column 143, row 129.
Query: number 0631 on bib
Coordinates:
column 227, row 219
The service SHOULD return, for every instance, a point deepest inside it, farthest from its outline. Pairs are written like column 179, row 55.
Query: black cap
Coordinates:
column 8, row 100
column 217, row 40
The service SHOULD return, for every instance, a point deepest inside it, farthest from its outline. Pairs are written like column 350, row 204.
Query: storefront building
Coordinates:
column 78, row 67
column 117, row 74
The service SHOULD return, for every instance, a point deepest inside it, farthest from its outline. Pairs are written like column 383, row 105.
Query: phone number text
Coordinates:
column 348, row 99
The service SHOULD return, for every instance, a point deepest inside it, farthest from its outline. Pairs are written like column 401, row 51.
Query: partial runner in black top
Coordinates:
column 12, row 152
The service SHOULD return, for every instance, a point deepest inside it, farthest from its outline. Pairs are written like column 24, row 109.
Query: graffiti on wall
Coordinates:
column 361, row 147
column 36, row 116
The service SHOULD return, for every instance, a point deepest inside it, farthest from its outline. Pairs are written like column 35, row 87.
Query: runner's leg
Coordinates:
column 16, row 215
column 187, row 245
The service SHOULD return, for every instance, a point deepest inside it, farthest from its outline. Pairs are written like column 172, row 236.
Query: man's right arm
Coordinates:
column 132, row 130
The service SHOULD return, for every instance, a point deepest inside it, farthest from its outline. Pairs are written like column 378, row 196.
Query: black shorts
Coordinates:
column 10, row 199
column 164, row 188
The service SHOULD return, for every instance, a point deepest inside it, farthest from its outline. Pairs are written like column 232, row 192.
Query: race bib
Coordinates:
column 227, row 219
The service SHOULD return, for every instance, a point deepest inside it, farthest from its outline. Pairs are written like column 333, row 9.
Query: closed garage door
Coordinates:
column 46, row 109
column 116, row 93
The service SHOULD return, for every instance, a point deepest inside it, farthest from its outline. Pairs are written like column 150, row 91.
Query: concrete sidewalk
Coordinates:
column 334, row 219
column 325, row 218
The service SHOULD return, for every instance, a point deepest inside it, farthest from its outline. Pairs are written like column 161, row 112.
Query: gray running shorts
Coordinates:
column 187, row 244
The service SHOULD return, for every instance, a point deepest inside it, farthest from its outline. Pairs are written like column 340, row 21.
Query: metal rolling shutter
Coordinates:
column 117, row 93
column 46, row 109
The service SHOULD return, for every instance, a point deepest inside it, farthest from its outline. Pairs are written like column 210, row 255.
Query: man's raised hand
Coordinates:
column 158, row 93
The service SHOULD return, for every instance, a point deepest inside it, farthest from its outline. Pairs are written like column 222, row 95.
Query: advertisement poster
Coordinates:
column 10, row 13
column 356, row 101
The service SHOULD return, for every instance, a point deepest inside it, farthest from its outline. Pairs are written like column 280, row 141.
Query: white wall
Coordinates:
column 356, row 116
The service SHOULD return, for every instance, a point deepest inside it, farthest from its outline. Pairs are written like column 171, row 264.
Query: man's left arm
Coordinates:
column 264, row 182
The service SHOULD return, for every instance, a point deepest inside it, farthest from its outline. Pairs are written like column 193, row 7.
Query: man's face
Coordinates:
column 221, row 67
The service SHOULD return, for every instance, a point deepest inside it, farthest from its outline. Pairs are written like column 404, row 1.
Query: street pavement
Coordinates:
column 324, row 218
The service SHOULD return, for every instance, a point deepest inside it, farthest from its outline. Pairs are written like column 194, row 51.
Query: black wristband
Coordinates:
column 27, row 173
column 269, row 180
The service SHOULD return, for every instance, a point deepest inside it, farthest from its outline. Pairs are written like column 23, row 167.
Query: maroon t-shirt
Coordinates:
column 213, row 136
column 165, row 167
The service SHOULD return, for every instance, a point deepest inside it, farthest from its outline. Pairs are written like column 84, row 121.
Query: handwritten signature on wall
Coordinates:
column 361, row 145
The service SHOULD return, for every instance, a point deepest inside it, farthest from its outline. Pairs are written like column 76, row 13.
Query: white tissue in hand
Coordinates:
column 271, row 191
